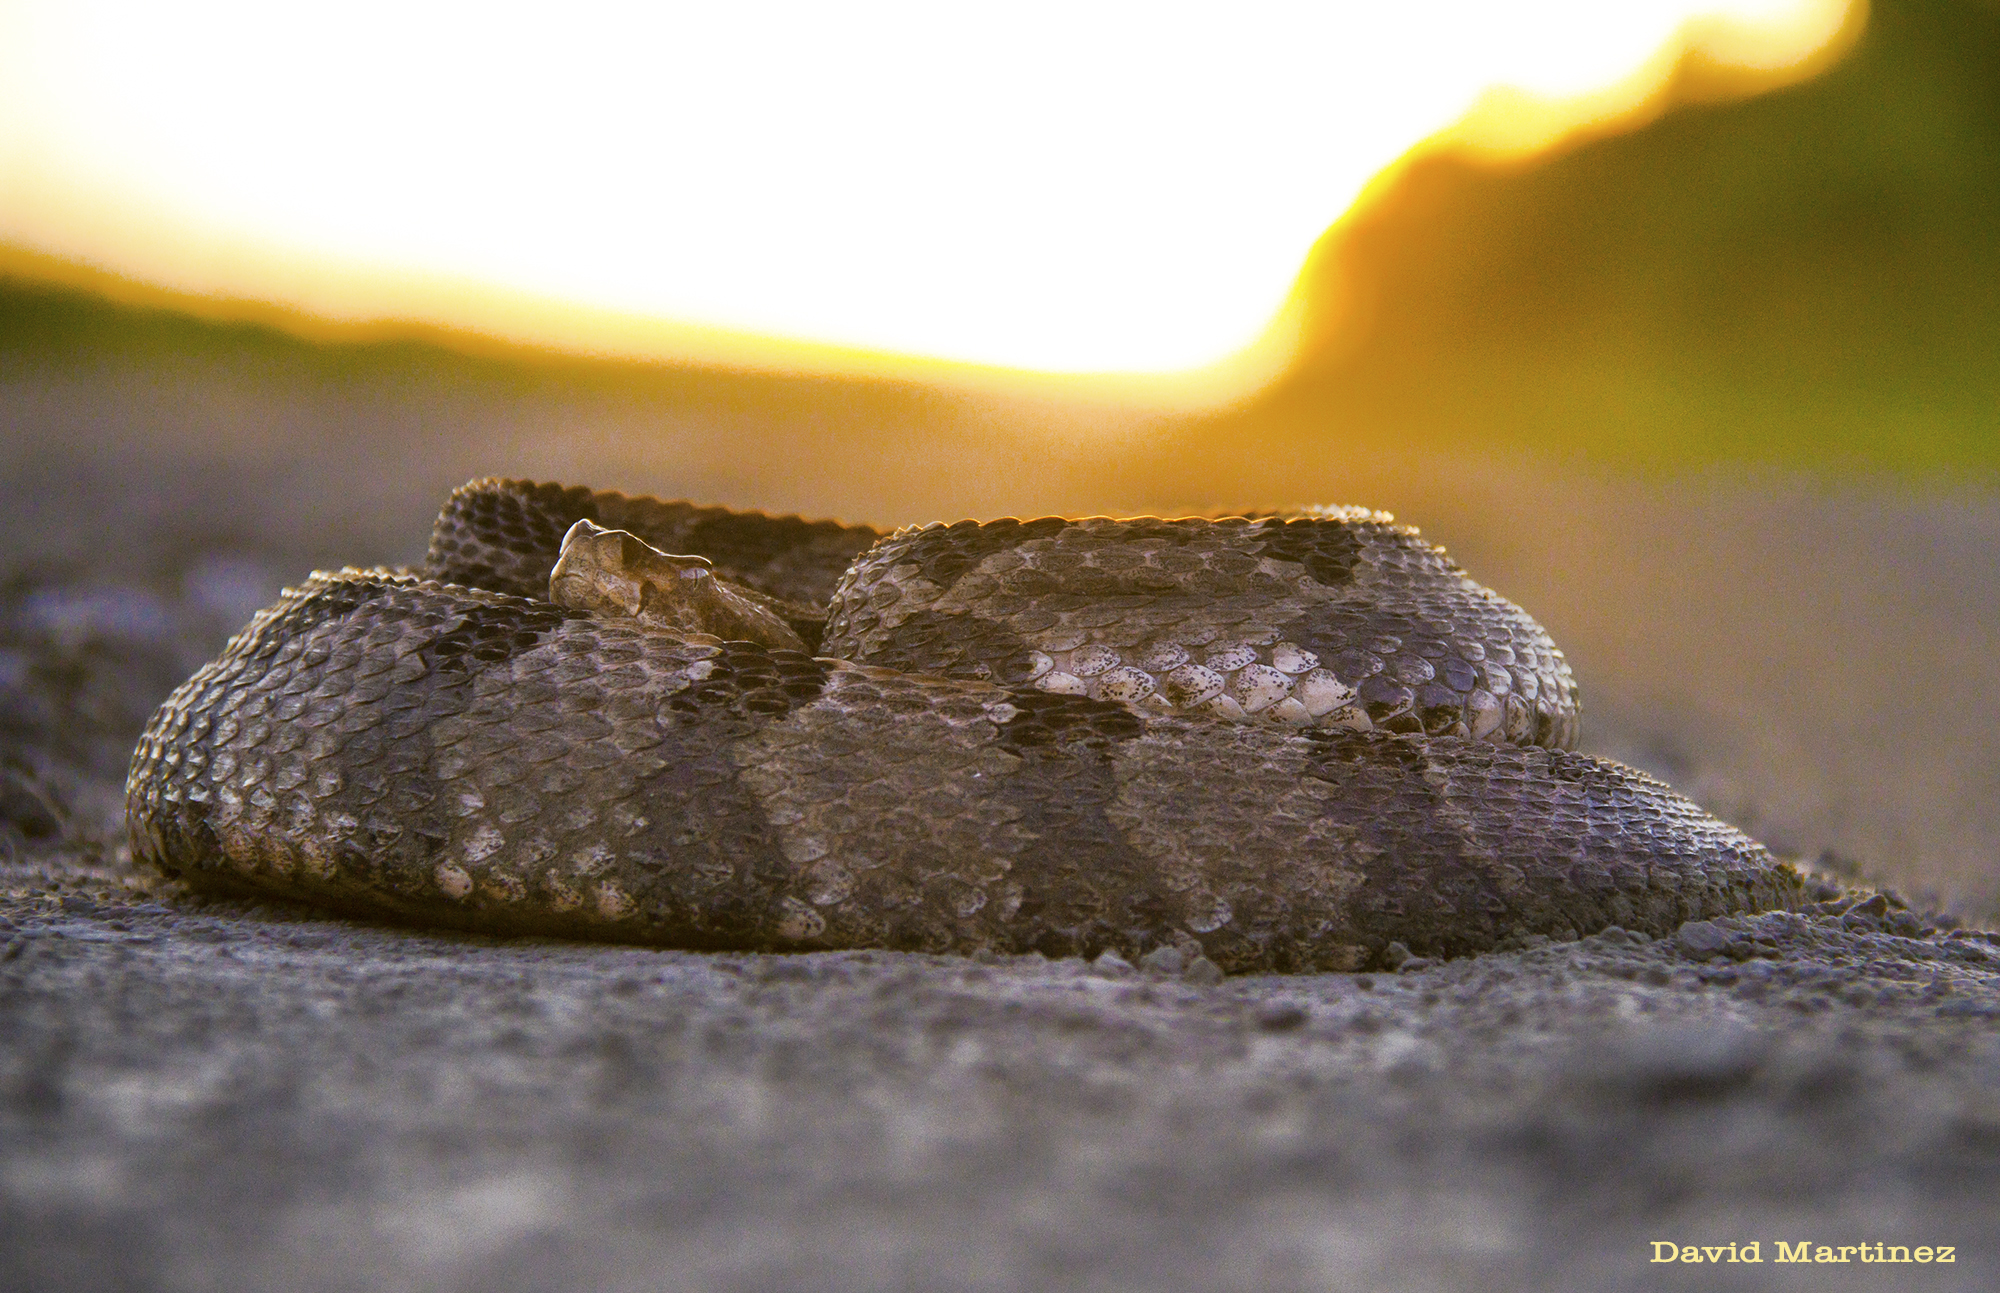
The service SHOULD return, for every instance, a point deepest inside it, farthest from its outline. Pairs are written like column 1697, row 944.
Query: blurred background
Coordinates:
column 1701, row 364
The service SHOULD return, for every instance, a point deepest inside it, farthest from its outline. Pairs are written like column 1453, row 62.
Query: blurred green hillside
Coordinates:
column 1809, row 277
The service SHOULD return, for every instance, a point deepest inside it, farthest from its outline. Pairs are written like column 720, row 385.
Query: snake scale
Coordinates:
column 1284, row 743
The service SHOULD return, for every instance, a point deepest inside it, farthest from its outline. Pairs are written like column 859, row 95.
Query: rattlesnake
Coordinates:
column 1285, row 743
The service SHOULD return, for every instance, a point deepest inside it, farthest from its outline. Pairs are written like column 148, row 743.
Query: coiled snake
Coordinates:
column 1283, row 742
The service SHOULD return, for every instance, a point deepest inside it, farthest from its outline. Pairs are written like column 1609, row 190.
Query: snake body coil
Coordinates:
column 1285, row 743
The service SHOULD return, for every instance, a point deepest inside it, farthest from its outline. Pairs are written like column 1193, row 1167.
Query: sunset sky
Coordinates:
column 1067, row 187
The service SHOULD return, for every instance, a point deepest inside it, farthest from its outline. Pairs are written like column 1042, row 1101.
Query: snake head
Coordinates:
column 616, row 573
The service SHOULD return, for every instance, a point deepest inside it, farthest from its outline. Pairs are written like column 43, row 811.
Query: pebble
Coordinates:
column 1401, row 958
column 1701, row 938
column 1281, row 1016
column 1680, row 1062
column 1203, row 972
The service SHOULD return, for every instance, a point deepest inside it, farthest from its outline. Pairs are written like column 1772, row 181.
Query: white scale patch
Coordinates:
column 1253, row 674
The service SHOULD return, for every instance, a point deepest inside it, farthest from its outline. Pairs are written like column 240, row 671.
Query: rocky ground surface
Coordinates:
column 197, row 1095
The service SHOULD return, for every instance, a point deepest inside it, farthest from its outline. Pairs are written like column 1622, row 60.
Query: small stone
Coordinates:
column 1281, row 1016
column 1395, row 954
column 1111, row 965
column 1907, row 925
column 1702, row 938
column 1163, row 960
column 1202, row 972
column 1678, row 1063
column 1877, row 906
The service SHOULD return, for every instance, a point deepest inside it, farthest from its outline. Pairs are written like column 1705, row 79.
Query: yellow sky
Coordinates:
column 1065, row 187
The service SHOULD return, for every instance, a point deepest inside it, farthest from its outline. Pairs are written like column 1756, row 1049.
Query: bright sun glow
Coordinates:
column 1067, row 186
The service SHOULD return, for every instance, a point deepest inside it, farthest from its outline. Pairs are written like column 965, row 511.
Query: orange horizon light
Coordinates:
column 73, row 215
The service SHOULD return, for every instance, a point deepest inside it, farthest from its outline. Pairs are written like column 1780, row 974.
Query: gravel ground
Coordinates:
column 220, row 1096
column 206, row 1095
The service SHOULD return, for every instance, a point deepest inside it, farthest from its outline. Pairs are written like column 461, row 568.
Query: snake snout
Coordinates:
column 615, row 572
